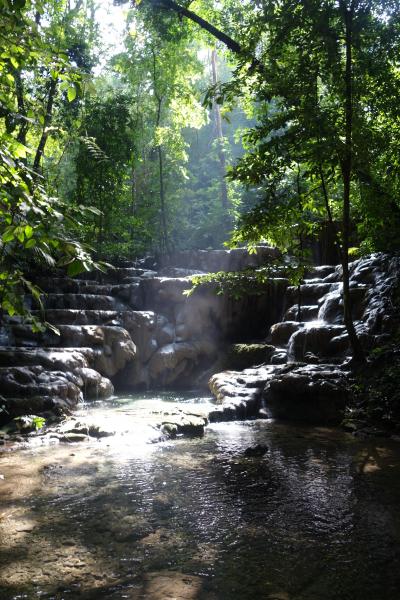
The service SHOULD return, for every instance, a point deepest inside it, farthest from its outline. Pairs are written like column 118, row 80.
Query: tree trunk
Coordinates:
column 164, row 230
column 163, row 214
column 217, row 33
column 331, row 221
column 347, row 168
column 47, row 122
column 19, row 90
column 133, row 201
column 301, row 245
column 220, row 136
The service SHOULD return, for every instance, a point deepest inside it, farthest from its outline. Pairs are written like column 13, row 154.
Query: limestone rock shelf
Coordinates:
column 129, row 328
column 133, row 328
column 307, row 375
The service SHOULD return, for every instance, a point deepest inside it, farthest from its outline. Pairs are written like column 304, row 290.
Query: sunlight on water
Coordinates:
column 307, row 518
column 134, row 419
column 316, row 324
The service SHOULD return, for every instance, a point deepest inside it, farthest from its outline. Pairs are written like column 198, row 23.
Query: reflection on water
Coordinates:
column 315, row 518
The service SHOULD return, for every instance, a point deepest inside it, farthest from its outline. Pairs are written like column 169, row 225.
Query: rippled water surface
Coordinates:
column 315, row 518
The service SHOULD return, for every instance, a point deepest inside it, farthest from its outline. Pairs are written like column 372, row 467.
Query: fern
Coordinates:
column 94, row 149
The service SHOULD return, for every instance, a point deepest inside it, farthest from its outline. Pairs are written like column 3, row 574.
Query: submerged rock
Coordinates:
column 256, row 451
column 183, row 423
column 73, row 438
column 83, row 428
column 239, row 393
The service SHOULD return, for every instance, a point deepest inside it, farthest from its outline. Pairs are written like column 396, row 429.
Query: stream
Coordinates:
column 311, row 514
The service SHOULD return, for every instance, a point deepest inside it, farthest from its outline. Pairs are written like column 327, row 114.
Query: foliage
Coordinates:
column 303, row 114
column 29, row 423
column 105, row 148
column 34, row 226
column 317, row 146
column 375, row 398
column 249, row 282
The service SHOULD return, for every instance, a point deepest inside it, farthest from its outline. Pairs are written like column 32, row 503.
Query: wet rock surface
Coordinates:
column 135, row 328
column 311, row 393
column 132, row 327
column 308, row 377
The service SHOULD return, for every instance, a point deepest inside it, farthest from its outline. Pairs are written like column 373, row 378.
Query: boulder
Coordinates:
column 117, row 351
column 243, row 356
column 81, row 301
column 183, row 423
column 84, row 428
column 173, row 363
column 307, row 313
column 315, row 339
column 166, row 334
column 51, row 359
column 311, row 393
column 33, row 390
column 143, row 328
column 239, row 393
column 281, row 332
column 95, row 387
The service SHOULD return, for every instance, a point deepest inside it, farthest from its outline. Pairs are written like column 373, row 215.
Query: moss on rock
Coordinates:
column 244, row 356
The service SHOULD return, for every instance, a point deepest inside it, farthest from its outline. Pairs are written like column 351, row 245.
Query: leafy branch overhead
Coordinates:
column 36, row 70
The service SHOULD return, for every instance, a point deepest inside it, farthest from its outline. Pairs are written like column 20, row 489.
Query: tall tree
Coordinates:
column 324, row 69
column 219, row 134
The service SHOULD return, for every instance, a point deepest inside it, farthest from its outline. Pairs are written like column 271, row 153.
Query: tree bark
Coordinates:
column 301, row 244
column 164, row 228
column 19, row 90
column 162, row 203
column 133, row 201
column 329, row 211
column 47, row 122
column 220, row 136
column 347, row 171
column 189, row 14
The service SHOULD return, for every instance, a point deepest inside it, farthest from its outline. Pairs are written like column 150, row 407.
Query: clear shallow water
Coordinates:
column 316, row 518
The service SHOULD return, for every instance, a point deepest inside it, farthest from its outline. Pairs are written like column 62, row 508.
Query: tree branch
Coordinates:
column 229, row 42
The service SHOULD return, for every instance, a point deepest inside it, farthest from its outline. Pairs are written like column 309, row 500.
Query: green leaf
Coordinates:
column 8, row 235
column 28, row 231
column 75, row 268
column 29, row 422
column 71, row 93
column 10, row 308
